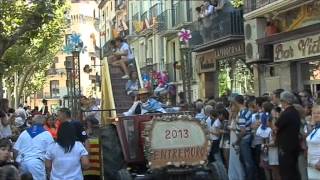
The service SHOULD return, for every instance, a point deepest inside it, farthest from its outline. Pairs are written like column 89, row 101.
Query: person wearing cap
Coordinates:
column 31, row 147
column 144, row 104
column 287, row 138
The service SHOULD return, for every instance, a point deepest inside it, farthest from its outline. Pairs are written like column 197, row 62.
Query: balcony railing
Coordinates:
column 221, row 25
column 155, row 10
column 135, row 22
column 166, row 20
column 119, row 4
column 144, row 16
column 183, row 13
column 251, row 5
column 52, row 71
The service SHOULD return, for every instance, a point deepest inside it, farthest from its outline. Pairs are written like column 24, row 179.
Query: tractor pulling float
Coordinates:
column 158, row 146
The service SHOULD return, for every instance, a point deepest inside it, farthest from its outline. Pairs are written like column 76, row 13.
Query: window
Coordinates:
column 93, row 61
column 54, row 88
column 56, row 60
column 67, row 40
column 68, row 62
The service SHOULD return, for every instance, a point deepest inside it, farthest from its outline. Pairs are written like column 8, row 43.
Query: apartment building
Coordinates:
column 83, row 20
column 282, row 41
column 153, row 36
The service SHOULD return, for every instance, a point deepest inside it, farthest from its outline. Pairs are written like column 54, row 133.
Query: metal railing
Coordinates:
column 221, row 25
column 251, row 5
column 144, row 16
column 166, row 20
column 52, row 71
column 135, row 19
column 183, row 13
column 155, row 10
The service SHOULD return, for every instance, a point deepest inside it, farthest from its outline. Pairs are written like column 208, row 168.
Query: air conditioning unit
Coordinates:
column 254, row 29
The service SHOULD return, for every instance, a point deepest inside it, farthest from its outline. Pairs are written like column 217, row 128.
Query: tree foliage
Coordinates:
column 21, row 20
column 237, row 3
column 30, row 59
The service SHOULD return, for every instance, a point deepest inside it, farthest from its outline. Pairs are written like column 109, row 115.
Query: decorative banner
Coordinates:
column 176, row 141
column 74, row 43
column 185, row 35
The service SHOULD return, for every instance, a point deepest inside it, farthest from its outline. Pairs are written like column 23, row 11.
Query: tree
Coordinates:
column 28, row 62
column 22, row 20
column 237, row 3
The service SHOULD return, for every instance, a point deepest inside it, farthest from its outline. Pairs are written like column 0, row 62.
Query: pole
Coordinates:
column 183, row 69
column 189, row 75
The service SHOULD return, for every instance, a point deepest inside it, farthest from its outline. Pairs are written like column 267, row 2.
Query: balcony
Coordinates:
column 120, row 4
column 251, row 5
column 144, row 16
column 166, row 21
column 154, row 12
column 221, row 27
column 259, row 8
column 137, row 25
column 52, row 72
column 183, row 14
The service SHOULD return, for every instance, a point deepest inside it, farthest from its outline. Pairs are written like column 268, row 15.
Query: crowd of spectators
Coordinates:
column 272, row 137
column 35, row 144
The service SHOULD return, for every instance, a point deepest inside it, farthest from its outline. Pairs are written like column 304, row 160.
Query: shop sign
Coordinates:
column 206, row 62
column 297, row 49
column 229, row 50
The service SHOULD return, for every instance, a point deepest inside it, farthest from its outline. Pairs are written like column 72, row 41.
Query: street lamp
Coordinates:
column 74, row 46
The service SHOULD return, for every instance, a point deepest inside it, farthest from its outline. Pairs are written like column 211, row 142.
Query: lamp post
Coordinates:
column 74, row 47
column 186, row 66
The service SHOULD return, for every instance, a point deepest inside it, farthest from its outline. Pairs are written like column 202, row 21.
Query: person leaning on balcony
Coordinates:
column 125, row 56
column 208, row 8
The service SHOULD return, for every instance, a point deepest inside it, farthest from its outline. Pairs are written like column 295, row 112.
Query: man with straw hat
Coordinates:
column 145, row 104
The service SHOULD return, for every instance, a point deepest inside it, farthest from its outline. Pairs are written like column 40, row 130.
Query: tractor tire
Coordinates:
column 124, row 174
column 218, row 171
column 113, row 159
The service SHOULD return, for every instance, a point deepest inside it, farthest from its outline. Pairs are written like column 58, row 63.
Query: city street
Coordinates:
column 160, row 89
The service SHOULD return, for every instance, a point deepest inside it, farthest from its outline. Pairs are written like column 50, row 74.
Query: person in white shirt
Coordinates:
column 208, row 8
column 31, row 147
column 126, row 56
column 313, row 142
column 66, row 158
column 214, row 126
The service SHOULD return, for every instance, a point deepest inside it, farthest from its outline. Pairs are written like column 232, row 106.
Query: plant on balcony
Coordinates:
column 237, row 3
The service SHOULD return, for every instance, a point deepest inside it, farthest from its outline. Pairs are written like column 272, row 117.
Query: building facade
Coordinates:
column 153, row 36
column 283, row 44
column 220, row 58
column 83, row 20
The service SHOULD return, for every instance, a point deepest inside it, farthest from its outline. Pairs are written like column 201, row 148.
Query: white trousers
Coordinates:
column 36, row 167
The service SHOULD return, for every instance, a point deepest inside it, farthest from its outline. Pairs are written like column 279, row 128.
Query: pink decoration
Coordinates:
column 185, row 35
